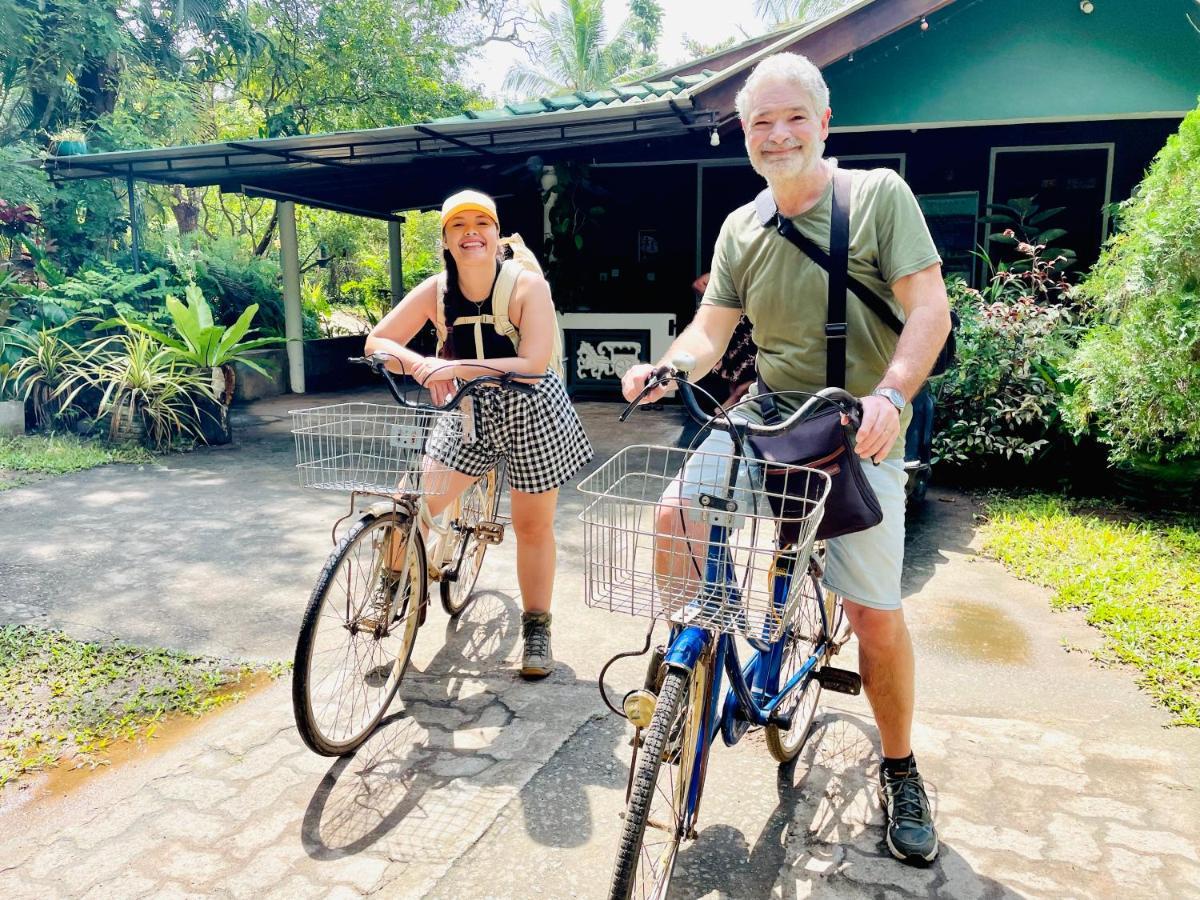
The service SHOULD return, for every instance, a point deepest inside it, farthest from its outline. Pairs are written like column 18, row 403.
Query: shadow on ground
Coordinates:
column 467, row 731
column 824, row 835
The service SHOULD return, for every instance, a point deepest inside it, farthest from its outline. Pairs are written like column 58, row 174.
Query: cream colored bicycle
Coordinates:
column 361, row 622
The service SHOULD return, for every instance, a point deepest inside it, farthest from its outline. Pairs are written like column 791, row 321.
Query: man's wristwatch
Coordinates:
column 891, row 395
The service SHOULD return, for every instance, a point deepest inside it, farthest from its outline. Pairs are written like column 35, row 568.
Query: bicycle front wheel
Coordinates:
column 657, row 813
column 478, row 503
column 358, row 633
column 802, row 639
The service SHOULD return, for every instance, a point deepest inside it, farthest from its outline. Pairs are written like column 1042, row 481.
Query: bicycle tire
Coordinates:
column 802, row 638
column 483, row 497
column 370, row 649
column 669, row 745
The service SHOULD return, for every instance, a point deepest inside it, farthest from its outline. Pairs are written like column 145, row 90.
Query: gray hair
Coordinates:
column 789, row 67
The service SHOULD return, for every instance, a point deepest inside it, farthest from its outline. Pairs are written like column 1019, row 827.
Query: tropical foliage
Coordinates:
column 572, row 51
column 779, row 12
column 1138, row 368
column 202, row 343
column 1003, row 401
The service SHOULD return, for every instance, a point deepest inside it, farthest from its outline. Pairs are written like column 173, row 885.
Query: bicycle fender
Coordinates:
column 686, row 648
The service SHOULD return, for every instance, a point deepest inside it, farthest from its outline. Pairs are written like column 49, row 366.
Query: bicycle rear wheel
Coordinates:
column 358, row 633
column 478, row 503
column 657, row 812
column 801, row 640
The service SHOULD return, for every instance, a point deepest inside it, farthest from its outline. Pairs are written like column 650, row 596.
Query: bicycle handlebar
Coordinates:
column 849, row 405
column 377, row 362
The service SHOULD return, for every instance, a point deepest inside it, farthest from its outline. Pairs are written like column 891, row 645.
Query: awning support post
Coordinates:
column 134, row 238
column 289, row 262
column 395, row 261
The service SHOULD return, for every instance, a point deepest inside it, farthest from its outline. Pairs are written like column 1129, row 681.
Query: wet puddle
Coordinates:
column 979, row 632
column 66, row 777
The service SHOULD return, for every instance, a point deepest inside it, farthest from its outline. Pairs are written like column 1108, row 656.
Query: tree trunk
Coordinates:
column 99, row 81
column 186, row 208
column 266, row 238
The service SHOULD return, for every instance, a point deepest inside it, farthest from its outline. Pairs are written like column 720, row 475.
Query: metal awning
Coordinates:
column 354, row 171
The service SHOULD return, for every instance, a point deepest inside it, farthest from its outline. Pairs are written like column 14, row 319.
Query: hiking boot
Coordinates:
column 537, row 660
column 911, row 835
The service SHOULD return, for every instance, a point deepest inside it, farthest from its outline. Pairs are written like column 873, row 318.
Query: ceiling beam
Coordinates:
column 482, row 151
column 251, row 190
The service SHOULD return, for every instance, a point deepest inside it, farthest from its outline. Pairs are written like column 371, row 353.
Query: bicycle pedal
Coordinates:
column 840, row 681
column 489, row 532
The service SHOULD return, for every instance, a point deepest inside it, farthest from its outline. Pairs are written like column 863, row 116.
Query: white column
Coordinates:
column 395, row 262
column 289, row 262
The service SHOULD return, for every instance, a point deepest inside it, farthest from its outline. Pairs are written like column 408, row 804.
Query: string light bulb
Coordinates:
column 1087, row 7
column 924, row 24
column 714, row 138
column 850, row 58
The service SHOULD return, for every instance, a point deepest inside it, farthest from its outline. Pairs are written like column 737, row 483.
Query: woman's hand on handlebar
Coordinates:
column 432, row 370
column 879, row 429
column 634, row 380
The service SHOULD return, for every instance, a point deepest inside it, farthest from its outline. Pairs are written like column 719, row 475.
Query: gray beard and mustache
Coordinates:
column 787, row 168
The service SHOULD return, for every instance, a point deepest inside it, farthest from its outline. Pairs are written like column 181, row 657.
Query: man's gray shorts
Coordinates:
column 863, row 567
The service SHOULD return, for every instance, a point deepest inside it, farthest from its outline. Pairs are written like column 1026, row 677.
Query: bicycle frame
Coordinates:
column 754, row 695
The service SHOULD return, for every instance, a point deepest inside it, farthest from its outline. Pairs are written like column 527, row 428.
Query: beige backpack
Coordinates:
column 522, row 259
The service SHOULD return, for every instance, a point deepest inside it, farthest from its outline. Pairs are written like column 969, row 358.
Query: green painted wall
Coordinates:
column 990, row 60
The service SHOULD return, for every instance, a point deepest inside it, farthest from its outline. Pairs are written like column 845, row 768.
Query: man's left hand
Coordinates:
column 879, row 430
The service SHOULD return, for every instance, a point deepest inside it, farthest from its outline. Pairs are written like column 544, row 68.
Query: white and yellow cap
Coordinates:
column 469, row 201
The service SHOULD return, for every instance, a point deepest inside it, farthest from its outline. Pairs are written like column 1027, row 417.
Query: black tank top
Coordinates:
column 495, row 345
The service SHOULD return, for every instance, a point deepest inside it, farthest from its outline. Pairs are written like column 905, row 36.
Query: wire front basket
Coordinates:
column 372, row 448
column 665, row 537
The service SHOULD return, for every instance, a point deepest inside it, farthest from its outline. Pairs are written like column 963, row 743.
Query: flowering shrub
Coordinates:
column 1002, row 399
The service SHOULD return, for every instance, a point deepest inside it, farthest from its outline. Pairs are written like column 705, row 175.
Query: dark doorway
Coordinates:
column 1076, row 178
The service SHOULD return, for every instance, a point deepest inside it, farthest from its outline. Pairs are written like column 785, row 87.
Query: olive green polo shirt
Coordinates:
column 784, row 293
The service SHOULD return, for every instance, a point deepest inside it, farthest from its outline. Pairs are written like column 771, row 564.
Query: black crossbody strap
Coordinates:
column 809, row 248
column 767, row 405
column 839, row 262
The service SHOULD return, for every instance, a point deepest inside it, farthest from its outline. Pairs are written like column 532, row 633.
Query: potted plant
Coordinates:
column 146, row 395
column 36, row 364
column 70, row 142
column 12, row 409
column 211, row 350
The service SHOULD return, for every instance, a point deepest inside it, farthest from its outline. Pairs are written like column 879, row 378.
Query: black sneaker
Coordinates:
column 911, row 835
column 537, row 661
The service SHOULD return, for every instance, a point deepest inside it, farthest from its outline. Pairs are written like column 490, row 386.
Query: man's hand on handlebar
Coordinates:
column 879, row 430
column 634, row 380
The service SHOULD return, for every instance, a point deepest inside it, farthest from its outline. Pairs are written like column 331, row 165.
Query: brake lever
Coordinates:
column 655, row 379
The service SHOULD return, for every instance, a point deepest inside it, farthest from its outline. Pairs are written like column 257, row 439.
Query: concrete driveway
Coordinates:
column 1052, row 776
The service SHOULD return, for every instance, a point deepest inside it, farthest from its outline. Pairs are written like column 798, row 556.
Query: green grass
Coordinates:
column 24, row 459
column 1137, row 579
column 64, row 701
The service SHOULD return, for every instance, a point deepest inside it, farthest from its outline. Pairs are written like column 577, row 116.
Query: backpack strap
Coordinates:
column 506, row 281
column 439, row 315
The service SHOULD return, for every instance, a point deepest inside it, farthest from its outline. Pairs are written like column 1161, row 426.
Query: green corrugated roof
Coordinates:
column 616, row 95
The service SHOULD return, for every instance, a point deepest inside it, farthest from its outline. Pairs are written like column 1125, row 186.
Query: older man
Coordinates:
column 784, row 110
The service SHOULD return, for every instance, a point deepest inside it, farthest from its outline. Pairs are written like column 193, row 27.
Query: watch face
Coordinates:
column 892, row 395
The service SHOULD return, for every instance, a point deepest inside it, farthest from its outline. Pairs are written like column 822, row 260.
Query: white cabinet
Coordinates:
column 599, row 347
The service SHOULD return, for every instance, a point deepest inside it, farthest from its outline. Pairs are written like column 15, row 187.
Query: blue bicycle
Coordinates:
column 720, row 547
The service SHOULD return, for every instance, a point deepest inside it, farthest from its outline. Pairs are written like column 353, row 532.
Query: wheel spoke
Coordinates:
column 350, row 657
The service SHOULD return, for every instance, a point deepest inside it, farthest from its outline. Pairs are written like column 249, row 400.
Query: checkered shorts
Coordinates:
column 539, row 434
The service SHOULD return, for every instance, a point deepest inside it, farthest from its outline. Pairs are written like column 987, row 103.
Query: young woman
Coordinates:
column 540, row 435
